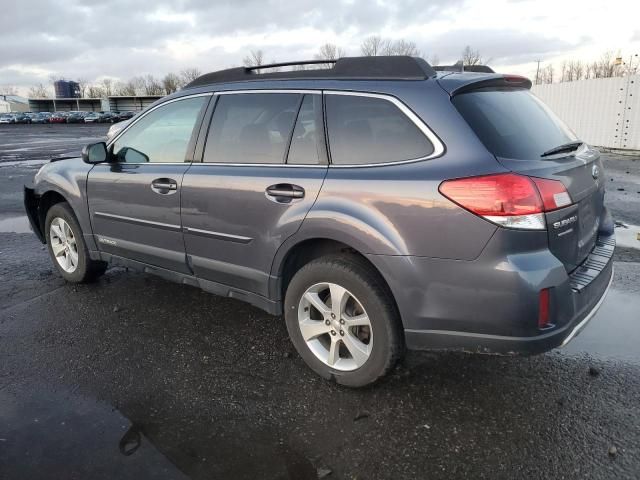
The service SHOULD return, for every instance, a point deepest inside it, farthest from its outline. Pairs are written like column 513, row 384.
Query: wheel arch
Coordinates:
column 305, row 250
column 48, row 200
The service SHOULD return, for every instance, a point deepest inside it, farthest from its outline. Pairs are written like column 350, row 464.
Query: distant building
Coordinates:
column 13, row 103
column 66, row 89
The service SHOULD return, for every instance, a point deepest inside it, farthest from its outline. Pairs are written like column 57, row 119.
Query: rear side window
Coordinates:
column 512, row 123
column 251, row 128
column 364, row 130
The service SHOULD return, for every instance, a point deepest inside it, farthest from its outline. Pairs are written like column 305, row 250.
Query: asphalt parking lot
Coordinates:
column 136, row 377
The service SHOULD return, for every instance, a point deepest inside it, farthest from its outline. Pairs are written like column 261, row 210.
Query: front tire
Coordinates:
column 67, row 248
column 343, row 321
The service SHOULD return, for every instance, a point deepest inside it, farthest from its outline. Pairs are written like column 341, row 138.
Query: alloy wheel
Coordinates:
column 63, row 244
column 335, row 326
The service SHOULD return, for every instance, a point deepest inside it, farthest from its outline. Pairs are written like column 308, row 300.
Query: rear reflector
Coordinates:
column 508, row 199
column 543, row 312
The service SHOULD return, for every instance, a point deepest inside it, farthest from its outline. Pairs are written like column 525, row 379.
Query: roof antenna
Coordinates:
column 459, row 65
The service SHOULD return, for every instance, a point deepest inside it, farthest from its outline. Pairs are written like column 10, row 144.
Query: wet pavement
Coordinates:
column 43, row 141
column 136, row 377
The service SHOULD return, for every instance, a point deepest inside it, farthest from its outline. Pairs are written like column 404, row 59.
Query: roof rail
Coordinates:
column 351, row 68
column 459, row 67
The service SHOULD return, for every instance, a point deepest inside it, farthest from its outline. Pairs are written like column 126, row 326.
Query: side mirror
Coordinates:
column 95, row 153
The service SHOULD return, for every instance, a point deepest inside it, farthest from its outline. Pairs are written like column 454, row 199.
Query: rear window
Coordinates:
column 365, row 130
column 512, row 123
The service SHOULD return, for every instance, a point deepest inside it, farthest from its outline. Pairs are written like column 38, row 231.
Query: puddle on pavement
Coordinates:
column 15, row 225
column 614, row 332
column 54, row 434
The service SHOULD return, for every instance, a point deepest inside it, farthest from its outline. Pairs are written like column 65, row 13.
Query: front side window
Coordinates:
column 366, row 130
column 161, row 136
column 251, row 128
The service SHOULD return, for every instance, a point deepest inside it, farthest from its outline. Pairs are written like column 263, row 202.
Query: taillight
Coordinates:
column 508, row 199
column 554, row 194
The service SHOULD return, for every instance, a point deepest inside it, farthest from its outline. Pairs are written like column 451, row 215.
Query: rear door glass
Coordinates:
column 307, row 134
column 512, row 123
column 251, row 127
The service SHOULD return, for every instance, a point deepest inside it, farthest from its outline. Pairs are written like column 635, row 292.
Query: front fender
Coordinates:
column 68, row 178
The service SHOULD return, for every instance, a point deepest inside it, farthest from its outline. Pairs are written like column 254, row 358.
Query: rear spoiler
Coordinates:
column 513, row 81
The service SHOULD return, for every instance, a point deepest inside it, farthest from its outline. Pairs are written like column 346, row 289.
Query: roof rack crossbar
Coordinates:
column 290, row 64
column 346, row 68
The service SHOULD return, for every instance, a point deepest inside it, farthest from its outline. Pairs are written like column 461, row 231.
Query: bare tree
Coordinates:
column 107, row 86
column 38, row 91
column 83, row 84
column 434, row 60
column 254, row 59
column 547, row 74
column 8, row 90
column 373, row 46
column 127, row 89
column 171, row 83
column 608, row 65
column 95, row 91
column 189, row 75
column 139, row 84
column 329, row 51
column 471, row 56
column 153, row 86
column 401, row 47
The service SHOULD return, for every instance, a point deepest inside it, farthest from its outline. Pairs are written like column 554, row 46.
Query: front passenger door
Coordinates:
column 134, row 200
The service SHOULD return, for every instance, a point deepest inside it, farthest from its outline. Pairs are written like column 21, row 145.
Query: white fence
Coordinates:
column 604, row 111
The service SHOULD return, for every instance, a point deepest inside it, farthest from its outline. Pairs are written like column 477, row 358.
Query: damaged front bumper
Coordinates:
column 31, row 202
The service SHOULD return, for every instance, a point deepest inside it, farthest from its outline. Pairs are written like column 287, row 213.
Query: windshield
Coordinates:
column 513, row 123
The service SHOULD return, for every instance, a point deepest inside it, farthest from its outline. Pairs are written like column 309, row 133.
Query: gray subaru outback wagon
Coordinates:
column 378, row 204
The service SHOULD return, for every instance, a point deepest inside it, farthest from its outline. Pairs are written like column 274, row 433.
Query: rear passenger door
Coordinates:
column 262, row 167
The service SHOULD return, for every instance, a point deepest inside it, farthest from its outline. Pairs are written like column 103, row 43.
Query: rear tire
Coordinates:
column 67, row 248
column 366, row 322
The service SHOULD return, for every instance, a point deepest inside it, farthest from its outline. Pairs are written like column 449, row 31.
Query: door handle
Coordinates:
column 164, row 186
column 284, row 192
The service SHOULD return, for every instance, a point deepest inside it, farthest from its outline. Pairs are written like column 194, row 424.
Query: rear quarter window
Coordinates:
column 512, row 123
column 369, row 130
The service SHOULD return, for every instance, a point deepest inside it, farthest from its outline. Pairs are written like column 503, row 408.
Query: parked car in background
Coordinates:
column 127, row 115
column 40, row 118
column 76, row 117
column 109, row 117
column 93, row 117
column 7, row 118
column 58, row 117
column 22, row 118
column 379, row 206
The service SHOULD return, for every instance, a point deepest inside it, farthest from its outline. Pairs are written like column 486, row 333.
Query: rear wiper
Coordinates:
column 566, row 147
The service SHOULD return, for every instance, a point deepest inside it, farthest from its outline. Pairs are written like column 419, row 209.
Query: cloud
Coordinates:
column 500, row 47
column 120, row 38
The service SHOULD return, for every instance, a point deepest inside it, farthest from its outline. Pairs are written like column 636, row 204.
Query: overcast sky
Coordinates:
column 118, row 38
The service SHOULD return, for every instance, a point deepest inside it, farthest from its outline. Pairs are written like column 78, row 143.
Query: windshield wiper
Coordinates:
column 566, row 147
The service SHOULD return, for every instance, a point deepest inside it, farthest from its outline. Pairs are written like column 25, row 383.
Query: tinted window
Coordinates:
column 251, row 128
column 304, row 143
column 371, row 130
column 512, row 123
column 162, row 135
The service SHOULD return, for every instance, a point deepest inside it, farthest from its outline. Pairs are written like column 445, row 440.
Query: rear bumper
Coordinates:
column 486, row 343
column 490, row 305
